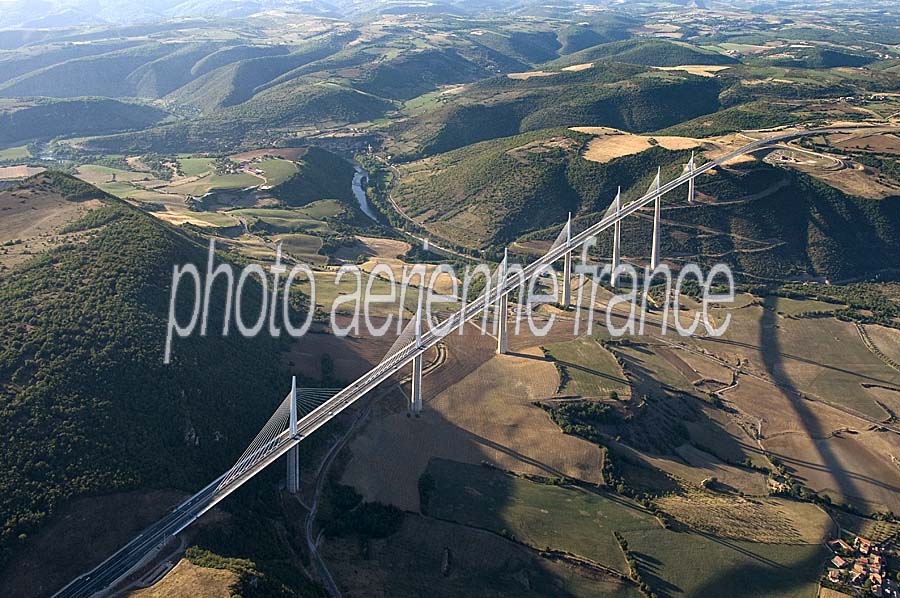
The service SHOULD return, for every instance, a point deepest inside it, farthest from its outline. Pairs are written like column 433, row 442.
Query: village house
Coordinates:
column 840, row 544
column 865, row 564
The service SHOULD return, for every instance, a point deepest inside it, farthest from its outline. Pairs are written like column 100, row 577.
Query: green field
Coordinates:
column 217, row 182
column 327, row 291
column 691, row 564
column 277, row 171
column 15, row 153
column 120, row 189
column 302, row 247
column 542, row 516
column 220, row 219
column 308, row 219
column 195, row 166
column 793, row 307
column 588, row 369
column 97, row 172
column 674, row 563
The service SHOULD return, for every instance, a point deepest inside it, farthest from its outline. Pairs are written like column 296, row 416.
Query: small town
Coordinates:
column 859, row 568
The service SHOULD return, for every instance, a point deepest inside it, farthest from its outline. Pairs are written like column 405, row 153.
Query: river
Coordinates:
column 360, row 194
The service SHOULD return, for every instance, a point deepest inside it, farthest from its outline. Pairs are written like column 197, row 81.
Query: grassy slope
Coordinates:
column 82, row 331
column 681, row 562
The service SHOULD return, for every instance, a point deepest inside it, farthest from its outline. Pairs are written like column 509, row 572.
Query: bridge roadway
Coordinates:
column 135, row 552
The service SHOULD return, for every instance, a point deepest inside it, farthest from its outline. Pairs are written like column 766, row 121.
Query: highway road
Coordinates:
column 136, row 551
column 133, row 553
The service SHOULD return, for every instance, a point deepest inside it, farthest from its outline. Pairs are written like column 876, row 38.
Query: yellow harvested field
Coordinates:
column 19, row 172
column 701, row 70
column 179, row 217
column 886, row 339
column 579, row 67
column 770, row 520
column 486, row 416
column 530, row 74
column 609, row 144
column 187, row 579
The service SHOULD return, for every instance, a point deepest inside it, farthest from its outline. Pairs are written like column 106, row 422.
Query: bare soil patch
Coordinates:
column 31, row 220
column 825, row 449
column 881, row 143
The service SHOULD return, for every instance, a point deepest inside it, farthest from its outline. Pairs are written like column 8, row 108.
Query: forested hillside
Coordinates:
column 320, row 175
column 617, row 95
column 648, row 52
column 87, row 405
column 85, row 116
column 763, row 220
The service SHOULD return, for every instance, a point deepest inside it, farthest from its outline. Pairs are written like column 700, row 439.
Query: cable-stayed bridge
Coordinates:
column 303, row 411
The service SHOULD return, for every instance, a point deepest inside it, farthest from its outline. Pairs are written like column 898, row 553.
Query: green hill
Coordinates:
column 88, row 406
column 489, row 194
column 290, row 105
column 527, row 47
column 416, row 73
column 98, row 75
column 618, row 95
column 15, row 64
column 647, row 52
column 45, row 119
column 239, row 79
column 320, row 175
column 813, row 57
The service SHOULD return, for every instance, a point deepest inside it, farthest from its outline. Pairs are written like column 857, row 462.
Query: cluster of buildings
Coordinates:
column 860, row 566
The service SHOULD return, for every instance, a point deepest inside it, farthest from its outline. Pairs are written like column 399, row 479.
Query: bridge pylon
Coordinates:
column 657, row 206
column 293, row 455
column 567, row 268
column 415, row 399
column 617, row 240
column 502, row 307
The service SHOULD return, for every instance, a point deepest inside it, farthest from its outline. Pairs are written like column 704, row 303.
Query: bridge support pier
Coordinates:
column 657, row 205
column 293, row 455
column 415, row 398
column 617, row 241
column 691, row 184
column 502, row 333
column 566, row 301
